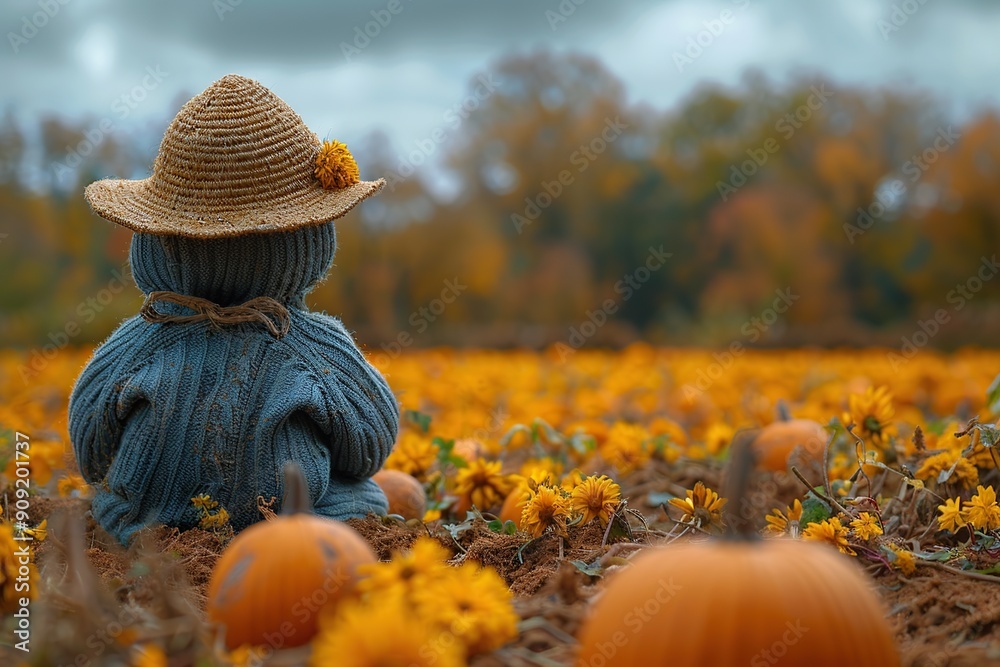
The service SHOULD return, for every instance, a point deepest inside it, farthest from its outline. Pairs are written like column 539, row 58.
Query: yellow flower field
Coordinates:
column 544, row 474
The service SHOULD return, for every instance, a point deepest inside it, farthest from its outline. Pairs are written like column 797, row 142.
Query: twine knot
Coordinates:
column 262, row 309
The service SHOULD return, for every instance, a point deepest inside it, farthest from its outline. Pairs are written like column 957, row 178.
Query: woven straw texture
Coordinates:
column 235, row 160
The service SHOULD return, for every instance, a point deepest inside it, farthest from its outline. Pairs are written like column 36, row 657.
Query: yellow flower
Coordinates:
column 982, row 511
column 431, row 515
column 830, row 531
column 717, row 438
column 965, row 473
column 9, row 572
column 408, row 570
column 702, row 507
column 212, row 521
column 43, row 456
column 596, row 498
column 482, row 484
column 547, row 507
column 148, row 655
column 382, row 631
column 904, row 560
column 472, row 604
column 778, row 521
column 952, row 517
column 413, row 454
column 669, row 428
column 872, row 414
column 866, row 526
column 626, row 448
column 39, row 532
column 335, row 166
column 73, row 485
column 204, row 502
column 572, row 479
column 541, row 469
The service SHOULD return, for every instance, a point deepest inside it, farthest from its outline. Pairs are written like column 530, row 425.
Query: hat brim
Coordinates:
column 134, row 204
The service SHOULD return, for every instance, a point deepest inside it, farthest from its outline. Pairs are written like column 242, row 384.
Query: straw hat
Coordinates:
column 236, row 160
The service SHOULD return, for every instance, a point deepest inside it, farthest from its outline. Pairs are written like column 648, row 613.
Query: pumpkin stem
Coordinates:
column 296, row 500
column 739, row 511
column 784, row 414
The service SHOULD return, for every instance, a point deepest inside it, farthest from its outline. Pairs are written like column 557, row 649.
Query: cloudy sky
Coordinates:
column 87, row 53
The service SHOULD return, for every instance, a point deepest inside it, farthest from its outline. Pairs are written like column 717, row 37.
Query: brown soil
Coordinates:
column 941, row 618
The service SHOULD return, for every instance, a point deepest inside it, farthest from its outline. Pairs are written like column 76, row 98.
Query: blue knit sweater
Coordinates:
column 164, row 412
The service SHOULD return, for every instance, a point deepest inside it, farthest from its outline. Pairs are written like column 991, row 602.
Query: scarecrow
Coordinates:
column 225, row 374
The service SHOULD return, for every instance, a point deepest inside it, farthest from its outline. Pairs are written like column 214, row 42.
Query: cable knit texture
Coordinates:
column 164, row 412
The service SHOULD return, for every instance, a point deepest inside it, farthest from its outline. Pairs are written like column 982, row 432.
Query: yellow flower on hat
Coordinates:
column 335, row 166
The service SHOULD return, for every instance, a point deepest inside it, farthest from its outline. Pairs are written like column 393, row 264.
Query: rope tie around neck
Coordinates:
column 262, row 309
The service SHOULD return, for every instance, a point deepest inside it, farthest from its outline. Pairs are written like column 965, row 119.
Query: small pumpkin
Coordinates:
column 272, row 579
column 513, row 506
column 738, row 601
column 776, row 441
column 404, row 492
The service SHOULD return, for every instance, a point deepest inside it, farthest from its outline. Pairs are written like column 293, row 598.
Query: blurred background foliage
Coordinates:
column 657, row 184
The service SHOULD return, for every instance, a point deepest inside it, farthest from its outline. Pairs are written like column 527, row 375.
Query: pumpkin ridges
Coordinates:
column 776, row 583
column 291, row 559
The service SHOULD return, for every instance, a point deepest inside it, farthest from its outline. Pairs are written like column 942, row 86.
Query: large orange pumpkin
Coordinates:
column 272, row 580
column 738, row 601
column 405, row 494
column 777, row 440
column 725, row 603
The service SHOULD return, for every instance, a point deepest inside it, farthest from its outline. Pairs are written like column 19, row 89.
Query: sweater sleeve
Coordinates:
column 350, row 400
column 96, row 406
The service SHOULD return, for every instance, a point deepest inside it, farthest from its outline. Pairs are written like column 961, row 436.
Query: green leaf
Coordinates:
column 445, row 453
column 814, row 510
column 507, row 527
column 989, row 435
column 514, row 430
column 992, row 569
column 420, row 419
column 993, row 395
column 593, row 569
